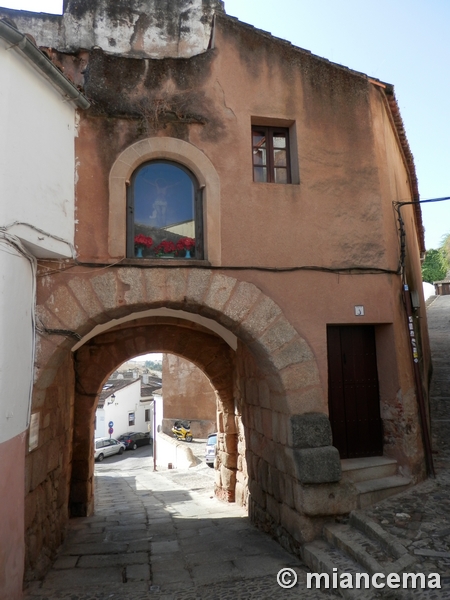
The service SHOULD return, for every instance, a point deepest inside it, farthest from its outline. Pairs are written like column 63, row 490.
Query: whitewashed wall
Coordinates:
column 37, row 158
column 16, row 341
column 126, row 400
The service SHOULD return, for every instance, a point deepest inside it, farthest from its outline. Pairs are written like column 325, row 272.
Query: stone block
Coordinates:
column 46, row 317
column 296, row 351
column 300, row 375
column 288, row 492
column 302, row 528
column 284, row 460
column 133, row 291
column 257, row 494
column 318, row 465
column 241, row 301
column 325, row 499
column 257, row 419
column 155, row 285
column 251, row 392
column 217, row 478
column 278, row 335
column 306, row 400
column 67, row 309
column 241, row 494
column 310, row 430
column 273, row 508
column 260, row 316
column 229, row 460
column 230, row 441
column 85, row 295
column 219, row 291
column 197, row 285
column 229, row 424
column 263, row 394
column 266, row 417
column 176, row 284
column 228, row 477
column 105, row 286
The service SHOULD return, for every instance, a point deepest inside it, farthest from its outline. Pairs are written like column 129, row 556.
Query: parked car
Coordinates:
column 133, row 439
column 107, row 447
column 211, row 449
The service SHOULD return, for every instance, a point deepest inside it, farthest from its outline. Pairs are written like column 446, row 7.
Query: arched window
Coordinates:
column 164, row 212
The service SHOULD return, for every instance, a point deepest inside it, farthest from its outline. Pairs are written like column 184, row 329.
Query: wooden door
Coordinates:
column 353, row 394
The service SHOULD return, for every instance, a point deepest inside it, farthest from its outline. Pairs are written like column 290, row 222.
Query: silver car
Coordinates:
column 107, row 447
column 211, row 449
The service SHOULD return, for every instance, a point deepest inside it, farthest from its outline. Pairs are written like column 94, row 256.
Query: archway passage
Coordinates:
column 101, row 355
column 267, row 384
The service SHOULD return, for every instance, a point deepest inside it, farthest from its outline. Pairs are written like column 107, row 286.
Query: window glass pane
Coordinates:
column 260, row 174
column 164, row 210
column 279, row 158
column 280, row 175
column 163, row 197
column 279, row 140
column 259, row 156
column 259, row 140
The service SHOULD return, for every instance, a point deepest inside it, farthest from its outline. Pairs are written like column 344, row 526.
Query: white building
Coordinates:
column 128, row 405
column 37, row 132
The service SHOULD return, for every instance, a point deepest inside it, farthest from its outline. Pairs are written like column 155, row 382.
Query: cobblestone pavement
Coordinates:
column 420, row 517
column 163, row 536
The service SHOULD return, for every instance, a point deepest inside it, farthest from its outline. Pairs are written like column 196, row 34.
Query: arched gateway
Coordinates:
column 275, row 443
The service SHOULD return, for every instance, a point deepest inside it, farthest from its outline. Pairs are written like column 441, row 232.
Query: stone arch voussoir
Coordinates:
column 88, row 300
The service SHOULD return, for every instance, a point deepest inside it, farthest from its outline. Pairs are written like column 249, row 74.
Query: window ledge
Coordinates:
column 165, row 262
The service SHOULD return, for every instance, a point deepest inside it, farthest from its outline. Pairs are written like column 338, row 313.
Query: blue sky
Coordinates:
column 403, row 42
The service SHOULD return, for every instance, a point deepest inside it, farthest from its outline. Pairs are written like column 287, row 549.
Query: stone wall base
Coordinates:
column 307, row 531
column 223, row 494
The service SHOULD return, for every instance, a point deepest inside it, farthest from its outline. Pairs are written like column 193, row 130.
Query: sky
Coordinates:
column 402, row 42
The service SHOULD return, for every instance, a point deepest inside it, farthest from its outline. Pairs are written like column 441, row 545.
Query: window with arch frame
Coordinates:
column 164, row 212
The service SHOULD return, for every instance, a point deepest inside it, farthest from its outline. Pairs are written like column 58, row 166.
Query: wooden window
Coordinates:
column 131, row 418
column 270, row 147
column 164, row 212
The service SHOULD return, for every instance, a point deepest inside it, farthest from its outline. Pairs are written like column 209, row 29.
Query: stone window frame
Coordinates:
column 177, row 151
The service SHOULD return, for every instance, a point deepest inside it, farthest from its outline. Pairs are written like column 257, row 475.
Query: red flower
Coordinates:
column 143, row 240
column 185, row 243
column 166, row 247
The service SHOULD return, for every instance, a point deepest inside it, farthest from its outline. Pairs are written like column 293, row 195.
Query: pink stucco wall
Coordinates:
column 12, row 543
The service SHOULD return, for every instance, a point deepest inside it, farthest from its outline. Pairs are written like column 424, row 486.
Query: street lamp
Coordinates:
column 111, row 399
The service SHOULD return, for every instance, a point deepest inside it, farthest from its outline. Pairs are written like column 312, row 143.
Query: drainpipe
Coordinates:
column 43, row 63
column 418, row 382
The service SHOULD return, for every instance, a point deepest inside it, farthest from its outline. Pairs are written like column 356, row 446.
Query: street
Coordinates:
column 164, row 535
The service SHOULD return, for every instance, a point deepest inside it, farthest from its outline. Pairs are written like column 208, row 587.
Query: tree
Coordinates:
column 435, row 265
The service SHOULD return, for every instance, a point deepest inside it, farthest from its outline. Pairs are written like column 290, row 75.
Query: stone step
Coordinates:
column 370, row 467
column 367, row 551
column 321, row 557
column 359, row 546
column 375, row 490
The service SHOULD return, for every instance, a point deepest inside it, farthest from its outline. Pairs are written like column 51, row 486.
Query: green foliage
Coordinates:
column 154, row 365
column 445, row 247
column 435, row 265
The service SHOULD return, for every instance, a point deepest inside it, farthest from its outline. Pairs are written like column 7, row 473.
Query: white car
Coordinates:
column 107, row 447
column 211, row 449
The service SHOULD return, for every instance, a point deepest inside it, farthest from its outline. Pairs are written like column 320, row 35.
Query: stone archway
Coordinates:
column 278, row 419
column 101, row 355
